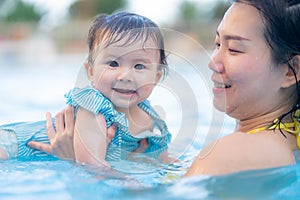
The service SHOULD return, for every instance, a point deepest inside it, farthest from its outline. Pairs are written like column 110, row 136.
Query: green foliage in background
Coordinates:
column 188, row 11
column 18, row 11
column 200, row 20
column 220, row 9
column 104, row 6
column 22, row 11
column 88, row 9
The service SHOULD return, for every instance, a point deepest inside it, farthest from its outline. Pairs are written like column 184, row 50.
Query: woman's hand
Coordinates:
column 61, row 139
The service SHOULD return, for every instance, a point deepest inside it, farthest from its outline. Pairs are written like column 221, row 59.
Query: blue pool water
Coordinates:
column 64, row 180
column 28, row 91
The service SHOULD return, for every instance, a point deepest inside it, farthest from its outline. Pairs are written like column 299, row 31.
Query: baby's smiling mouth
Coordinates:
column 124, row 91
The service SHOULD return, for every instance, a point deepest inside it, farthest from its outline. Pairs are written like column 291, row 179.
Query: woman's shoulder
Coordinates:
column 240, row 151
column 265, row 145
column 268, row 140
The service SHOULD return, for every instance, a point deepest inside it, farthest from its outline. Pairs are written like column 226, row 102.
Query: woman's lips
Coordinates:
column 222, row 85
column 220, row 88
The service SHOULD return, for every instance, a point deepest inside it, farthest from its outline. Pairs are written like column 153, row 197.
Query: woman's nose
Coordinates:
column 216, row 63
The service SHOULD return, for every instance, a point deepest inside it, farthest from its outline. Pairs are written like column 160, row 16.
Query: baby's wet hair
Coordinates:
column 109, row 29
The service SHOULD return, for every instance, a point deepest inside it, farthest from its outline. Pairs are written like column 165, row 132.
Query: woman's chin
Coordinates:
column 220, row 106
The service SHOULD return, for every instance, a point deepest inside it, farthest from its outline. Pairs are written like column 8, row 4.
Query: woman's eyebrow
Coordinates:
column 233, row 37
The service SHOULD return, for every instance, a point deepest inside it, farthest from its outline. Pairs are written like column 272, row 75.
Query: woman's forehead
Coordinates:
column 242, row 19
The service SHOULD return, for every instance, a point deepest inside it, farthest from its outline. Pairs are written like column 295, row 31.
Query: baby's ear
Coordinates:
column 293, row 68
column 159, row 75
column 89, row 70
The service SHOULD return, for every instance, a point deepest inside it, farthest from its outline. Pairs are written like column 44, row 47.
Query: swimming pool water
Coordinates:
column 66, row 180
column 27, row 92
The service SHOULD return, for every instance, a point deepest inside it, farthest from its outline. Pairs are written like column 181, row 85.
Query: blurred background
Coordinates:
column 50, row 27
column 43, row 46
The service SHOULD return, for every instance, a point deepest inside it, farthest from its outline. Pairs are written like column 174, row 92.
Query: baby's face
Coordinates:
column 126, row 74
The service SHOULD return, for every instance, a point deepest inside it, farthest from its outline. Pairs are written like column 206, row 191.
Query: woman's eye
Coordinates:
column 139, row 66
column 217, row 45
column 235, row 51
column 113, row 63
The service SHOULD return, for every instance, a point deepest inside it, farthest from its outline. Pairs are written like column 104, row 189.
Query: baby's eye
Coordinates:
column 113, row 63
column 139, row 66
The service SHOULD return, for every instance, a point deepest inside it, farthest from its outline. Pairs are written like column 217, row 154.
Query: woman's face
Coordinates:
column 246, row 81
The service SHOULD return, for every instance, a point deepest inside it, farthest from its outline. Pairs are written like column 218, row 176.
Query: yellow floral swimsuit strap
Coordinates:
column 292, row 127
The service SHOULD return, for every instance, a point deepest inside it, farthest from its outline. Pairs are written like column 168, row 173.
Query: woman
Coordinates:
column 256, row 68
column 256, row 65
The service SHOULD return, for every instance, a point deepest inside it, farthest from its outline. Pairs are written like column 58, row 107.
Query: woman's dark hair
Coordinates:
column 109, row 29
column 282, row 32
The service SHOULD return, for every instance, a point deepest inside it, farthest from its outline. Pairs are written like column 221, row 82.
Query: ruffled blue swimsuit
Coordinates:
column 90, row 99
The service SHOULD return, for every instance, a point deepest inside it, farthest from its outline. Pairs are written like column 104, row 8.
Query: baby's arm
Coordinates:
column 3, row 154
column 8, row 145
column 90, row 138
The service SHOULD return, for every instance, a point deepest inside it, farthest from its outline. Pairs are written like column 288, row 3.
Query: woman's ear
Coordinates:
column 290, row 79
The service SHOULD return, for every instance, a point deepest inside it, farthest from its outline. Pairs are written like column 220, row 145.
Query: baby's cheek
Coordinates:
column 146, row 89
column 103, row 83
